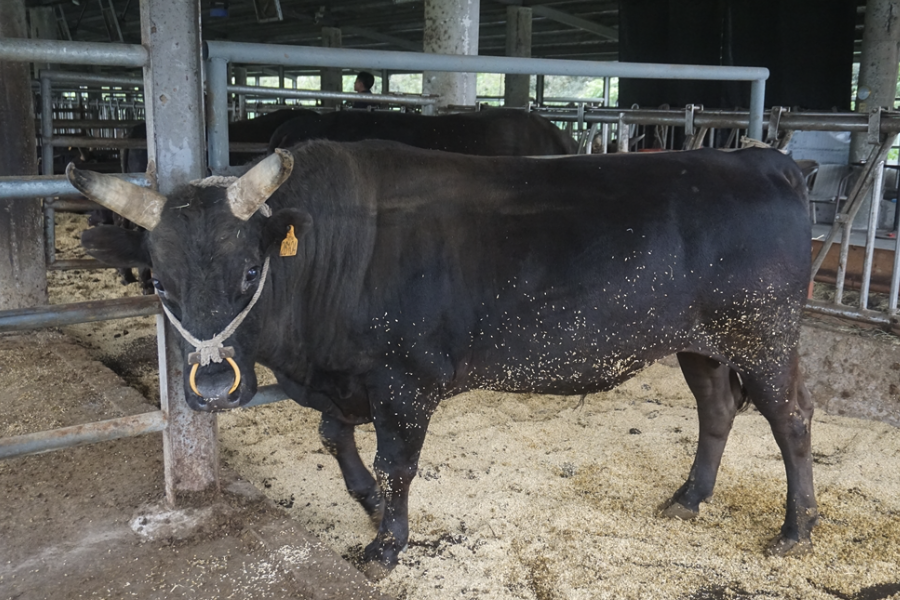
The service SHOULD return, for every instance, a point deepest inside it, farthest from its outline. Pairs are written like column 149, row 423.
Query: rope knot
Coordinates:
column 210, row 351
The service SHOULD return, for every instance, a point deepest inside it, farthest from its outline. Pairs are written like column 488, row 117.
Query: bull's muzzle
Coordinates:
column 212, row 393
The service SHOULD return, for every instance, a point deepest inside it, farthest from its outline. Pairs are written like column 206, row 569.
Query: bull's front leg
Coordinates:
column 400, row 426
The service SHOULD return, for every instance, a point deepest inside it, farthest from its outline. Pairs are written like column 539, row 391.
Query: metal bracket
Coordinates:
column 774, row 123
column 873, row 136
column 689, row 118
column 622, row 136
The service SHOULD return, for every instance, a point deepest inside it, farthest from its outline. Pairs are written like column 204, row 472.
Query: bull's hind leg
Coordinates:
column 337, row 437
column 718, row 394
column 787, row 405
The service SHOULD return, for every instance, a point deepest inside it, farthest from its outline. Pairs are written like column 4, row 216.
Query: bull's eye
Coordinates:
column 251, row 278
column 160, row 289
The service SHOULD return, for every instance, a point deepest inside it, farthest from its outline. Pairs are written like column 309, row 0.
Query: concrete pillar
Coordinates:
column 23, row 274
column 173, row 88
column 877, row 65
column 451, row 27
column 518, row 43
column 332, row 78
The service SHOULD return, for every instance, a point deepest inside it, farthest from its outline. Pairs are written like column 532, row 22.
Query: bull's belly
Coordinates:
column 559, row 370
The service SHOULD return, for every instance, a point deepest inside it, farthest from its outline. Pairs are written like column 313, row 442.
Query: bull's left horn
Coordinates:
column 255, row 186
column 137, row 204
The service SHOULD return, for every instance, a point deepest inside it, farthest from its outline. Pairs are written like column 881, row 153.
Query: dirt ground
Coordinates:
column 545, row 497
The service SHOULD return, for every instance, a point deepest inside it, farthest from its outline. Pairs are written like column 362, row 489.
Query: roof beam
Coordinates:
column 382, row 37
column 567, row 19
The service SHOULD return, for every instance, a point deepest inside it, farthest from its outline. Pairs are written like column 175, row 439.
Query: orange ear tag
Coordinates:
column 289, row 244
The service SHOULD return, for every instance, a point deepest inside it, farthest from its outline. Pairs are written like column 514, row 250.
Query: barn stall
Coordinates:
column 540, row 565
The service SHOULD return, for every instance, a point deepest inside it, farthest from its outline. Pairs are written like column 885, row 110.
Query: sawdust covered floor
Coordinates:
column 540, row 497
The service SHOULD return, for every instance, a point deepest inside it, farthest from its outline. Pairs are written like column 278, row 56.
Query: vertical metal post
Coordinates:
column 240, row 78
column 757, row 108
column 604, row 129
column 877, row 191
column 46, row 126
column 846, row 227
column 47, row 166
column 217, row 98
column 332, row 79
column 170, row 30
column 895, row 279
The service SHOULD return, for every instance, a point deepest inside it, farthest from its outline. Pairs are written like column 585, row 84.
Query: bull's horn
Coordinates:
column 137, row 204
column 255, row 186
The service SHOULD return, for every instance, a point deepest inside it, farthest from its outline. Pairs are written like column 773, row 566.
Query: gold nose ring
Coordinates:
column 237, row 377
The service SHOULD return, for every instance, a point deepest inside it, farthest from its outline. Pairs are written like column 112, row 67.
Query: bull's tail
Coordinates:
column 739, row 391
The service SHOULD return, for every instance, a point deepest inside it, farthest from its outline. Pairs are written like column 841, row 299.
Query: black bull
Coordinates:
column 423, row 274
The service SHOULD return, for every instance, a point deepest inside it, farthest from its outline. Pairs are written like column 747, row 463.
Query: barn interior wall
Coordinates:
column 807, row 45
column 851, row 371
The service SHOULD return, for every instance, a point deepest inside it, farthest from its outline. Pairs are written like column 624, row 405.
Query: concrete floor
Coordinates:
column 92, row 522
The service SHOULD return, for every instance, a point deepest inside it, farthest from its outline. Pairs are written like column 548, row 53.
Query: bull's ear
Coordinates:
column 279, row 224
column 116, row 246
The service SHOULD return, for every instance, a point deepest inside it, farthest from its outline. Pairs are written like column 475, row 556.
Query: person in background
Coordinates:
column 363, row 85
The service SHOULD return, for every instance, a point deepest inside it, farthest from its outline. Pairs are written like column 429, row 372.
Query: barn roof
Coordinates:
column 570, row 29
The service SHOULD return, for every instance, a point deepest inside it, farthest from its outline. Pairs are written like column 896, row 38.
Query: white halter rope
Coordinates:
column 213, row 349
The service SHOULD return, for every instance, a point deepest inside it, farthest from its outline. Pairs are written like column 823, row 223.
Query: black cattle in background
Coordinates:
column 422, row 274
column 257, row 130
column 489, row 132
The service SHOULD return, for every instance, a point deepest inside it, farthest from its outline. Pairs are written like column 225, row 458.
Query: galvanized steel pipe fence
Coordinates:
column 218, row 54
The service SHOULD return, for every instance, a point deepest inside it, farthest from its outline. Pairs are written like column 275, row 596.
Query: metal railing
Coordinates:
column 218, row 54
column 100, row 431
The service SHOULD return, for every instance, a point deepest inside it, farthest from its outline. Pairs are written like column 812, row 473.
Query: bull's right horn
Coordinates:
column 254, row 187
column 137, row 204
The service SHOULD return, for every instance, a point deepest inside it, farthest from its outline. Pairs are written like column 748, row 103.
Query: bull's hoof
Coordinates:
column 376, row 571
column 782, row 547
column 376, row 514
column 379, row 560
column 671, row 509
